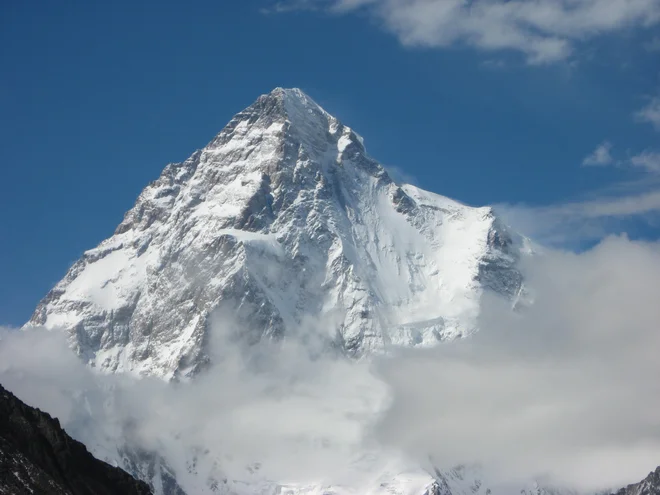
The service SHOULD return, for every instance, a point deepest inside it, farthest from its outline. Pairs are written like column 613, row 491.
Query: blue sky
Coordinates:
column 550, row 111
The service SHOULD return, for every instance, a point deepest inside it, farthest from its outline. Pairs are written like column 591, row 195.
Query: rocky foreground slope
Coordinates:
column 38, row 457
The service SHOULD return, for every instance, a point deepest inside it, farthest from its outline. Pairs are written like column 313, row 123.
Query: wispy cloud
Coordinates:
column 575, row 222
column 290, row 6
column 648, row 160
column 400, row 176
column 650, row 113
column 600, row 156
column 600, row 212
column 544, row 30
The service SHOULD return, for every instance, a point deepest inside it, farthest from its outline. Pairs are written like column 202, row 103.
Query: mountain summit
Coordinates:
column 281, row 220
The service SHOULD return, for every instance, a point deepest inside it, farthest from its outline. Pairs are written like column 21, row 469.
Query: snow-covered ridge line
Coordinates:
column 282, row 218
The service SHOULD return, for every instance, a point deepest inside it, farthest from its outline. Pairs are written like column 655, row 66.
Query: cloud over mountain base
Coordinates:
column 564, row 391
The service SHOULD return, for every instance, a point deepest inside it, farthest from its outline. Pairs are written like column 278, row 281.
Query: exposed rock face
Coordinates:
column 38, row 457
column 648, row 486
column 281, row 219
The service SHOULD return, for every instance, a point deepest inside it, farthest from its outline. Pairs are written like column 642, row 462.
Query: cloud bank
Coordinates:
column 564, row 391
column 273, row 413
column 543, row 30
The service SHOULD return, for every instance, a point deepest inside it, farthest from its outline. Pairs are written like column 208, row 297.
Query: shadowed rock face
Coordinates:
column 648, row 486
column 38, row 457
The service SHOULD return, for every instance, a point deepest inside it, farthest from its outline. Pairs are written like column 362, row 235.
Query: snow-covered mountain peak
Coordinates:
column 297, row 106
column 298, row 124
column 295, row 99
column 283, row 218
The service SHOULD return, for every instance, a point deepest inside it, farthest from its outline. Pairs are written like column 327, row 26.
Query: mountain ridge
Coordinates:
column 648, row 486
column 37, row 456
column 283, row 185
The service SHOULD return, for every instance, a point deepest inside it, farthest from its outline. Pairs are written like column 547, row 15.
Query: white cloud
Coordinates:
column 650, row 113
column 573, row 223
column 544, row 30
column 566, row 390
column 600, row 213
column 600, row 156
column 300, row 417
column 612, row 207
column 648, row 160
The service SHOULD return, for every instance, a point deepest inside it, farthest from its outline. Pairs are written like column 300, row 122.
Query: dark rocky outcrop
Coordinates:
column 648, row 486
column 38, row 457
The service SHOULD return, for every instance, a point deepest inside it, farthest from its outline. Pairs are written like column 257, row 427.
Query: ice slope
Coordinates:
column 282, row 218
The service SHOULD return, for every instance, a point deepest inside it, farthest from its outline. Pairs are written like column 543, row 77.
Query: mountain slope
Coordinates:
column 38, row 457
column 281, row 220
column 648, row 486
